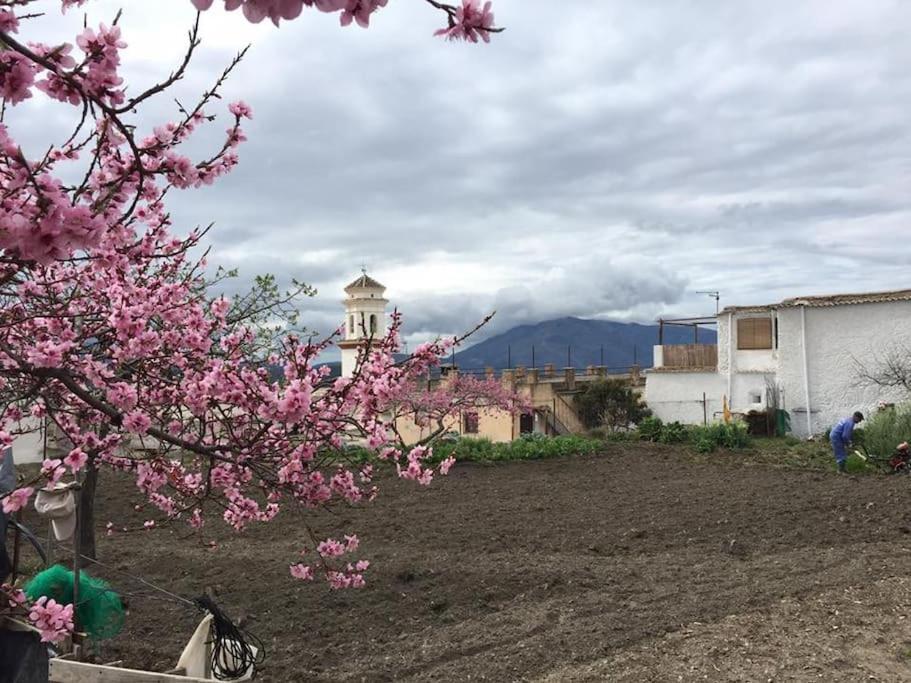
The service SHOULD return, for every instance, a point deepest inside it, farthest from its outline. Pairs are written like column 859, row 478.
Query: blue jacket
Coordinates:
column 843, row 432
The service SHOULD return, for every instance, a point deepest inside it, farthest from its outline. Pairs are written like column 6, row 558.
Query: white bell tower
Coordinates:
column 365, row 318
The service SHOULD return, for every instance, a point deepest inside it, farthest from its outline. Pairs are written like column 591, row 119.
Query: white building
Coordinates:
column 807, row 351
column 365, row 318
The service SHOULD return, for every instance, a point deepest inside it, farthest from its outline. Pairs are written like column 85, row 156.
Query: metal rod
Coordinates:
column 77, row 648
column 17, row 539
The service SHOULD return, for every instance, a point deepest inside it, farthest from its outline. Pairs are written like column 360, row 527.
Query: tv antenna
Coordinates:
column 716, row 296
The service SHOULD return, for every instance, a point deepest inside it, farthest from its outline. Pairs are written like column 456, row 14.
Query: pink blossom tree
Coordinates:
column 435, row 406
column 110, row 330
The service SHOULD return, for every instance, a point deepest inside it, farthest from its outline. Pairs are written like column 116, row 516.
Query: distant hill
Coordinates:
column 581, row 340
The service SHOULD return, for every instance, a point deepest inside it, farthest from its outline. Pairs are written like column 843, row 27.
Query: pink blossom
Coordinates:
column 241, row 109
column 137, row 422
column 76, row 459
column 17, row 500
column 446, row 465
column 302, row 572
column 220, row 307
column 48, row 354
column 331, row 548
column 8, row 21
column 17, row 74
column 472, row 21
column 53, row 620
column 122, row 396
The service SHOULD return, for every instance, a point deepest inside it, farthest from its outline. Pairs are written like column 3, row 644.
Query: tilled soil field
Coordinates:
column 636, row 565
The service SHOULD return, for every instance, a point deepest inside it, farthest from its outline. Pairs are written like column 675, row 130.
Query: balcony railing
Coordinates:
column 686, row 356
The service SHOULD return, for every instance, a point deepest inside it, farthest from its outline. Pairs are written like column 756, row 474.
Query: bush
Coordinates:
column 654, row 430
column 704, row 445
column 610, row 403
column 483, row 450
column 674, row 432
column 650, row 428
column 534, row 436
column 885, row 430
column 619, row 437
column 730, row 435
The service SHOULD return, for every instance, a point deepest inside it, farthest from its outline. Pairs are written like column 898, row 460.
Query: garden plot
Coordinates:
column 638, row 564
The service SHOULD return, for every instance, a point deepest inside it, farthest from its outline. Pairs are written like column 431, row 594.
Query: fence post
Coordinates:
column 705, row 410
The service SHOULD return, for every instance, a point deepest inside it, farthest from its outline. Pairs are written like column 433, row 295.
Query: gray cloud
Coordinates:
column 597, row 159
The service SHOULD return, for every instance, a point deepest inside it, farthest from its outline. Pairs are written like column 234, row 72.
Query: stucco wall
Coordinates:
column 28, row 448
column 837, row 337
column 496, row 425
column 745, row 387
column 724, row 350
column 677, row 396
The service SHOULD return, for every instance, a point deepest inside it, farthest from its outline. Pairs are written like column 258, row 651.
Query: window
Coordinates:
column 526, row 423
column 754, row 333
column 351, row 324
column 372, row 324
column 471, row 423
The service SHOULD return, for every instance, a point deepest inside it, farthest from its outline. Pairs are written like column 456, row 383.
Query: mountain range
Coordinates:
column 576, row 342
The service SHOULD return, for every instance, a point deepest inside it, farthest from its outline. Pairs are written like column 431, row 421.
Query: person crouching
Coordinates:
column 841, row 436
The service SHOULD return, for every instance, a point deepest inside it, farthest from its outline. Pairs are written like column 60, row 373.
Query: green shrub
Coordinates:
column 610, row 403
column 729, row 435
column 674, row 432
column 534, row 436
column 468, row 449
column 619, row 437
column 483, row 450
column 704, row 444
column 650, row 428
column 654, row 430
column 886, row 429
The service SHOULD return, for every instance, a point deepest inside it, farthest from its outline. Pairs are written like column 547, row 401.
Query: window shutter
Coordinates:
column 754, row 333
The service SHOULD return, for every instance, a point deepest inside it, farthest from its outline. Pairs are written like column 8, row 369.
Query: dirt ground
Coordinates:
column 636, row 565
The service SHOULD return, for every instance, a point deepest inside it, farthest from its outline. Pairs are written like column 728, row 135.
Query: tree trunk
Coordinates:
column 87, row 510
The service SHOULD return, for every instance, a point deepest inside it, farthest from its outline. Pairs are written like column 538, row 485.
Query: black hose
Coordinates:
column 232, row 652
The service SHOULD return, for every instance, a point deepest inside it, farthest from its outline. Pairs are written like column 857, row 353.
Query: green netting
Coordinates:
column 100, row 611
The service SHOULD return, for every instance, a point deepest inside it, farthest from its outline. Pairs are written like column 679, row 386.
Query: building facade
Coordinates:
column 804, row 355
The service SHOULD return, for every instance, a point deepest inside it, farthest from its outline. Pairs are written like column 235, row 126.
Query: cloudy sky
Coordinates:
column 600, row 158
